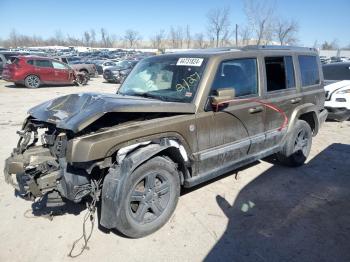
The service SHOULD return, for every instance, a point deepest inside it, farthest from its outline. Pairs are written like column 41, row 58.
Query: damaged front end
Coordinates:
column 38, row 167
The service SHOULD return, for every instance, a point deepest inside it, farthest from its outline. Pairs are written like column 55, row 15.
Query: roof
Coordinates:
column 222, row 50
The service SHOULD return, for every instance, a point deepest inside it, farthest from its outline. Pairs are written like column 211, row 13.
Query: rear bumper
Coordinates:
column 339, row 114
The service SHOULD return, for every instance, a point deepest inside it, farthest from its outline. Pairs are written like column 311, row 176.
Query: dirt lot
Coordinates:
column 265, row 212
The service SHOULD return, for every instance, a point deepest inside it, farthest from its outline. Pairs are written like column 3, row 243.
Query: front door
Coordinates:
column 61, row 73
column 236, row 131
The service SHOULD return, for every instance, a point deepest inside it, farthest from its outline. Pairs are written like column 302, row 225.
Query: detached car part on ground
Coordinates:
column 34, row 71
column 118, row 73
column 337, row 78
column 178, row 120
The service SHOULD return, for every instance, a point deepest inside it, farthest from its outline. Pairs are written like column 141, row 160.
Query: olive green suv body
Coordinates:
column 177, row 120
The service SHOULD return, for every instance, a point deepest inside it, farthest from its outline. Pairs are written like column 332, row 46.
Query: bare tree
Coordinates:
column 245, row 35
column 218, row 24
column 172, row 37
column 104, row 37
column 286, row 31
column 87, row 38
column 157, row 39
column 199, row 40
column 58, row 38
column 260, row 18
column 131, row 36
column 176, row 37
column 93, row 37
column 13, row 38
column 330, row 45
column 188, row 36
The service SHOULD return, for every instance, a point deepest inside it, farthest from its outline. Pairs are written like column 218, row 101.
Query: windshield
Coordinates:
column 168, row 78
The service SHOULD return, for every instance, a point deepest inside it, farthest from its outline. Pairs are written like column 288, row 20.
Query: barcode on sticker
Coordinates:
column 188, row 61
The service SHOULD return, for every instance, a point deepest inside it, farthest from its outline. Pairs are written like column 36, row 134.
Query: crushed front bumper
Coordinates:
column 34, row 172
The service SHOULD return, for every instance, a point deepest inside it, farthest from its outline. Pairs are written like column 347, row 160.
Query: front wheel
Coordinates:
column 32, row 81
column 297, row 147
column 150, row 198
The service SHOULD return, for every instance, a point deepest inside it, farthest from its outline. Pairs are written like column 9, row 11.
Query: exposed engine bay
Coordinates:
column 37, row 166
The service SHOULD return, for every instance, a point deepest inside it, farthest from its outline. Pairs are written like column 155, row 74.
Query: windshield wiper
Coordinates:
column 147, row 95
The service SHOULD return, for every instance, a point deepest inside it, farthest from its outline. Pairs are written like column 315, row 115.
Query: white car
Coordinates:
column 337, row 88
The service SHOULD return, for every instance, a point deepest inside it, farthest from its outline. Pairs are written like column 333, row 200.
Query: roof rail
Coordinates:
column 278, row 47
column 214, row 49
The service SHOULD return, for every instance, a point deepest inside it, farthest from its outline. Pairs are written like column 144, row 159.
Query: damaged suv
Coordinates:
column 178, row 120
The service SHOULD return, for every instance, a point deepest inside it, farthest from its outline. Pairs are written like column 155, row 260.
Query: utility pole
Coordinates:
column 236, row 35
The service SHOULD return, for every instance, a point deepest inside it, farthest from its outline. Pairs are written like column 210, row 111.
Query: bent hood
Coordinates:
column 76, row 111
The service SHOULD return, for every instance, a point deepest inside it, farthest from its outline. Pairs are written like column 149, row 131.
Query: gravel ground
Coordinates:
column 265, row 212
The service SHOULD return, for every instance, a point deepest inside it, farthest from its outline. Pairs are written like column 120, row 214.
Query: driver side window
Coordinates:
column 57, row 65
column 239, row 74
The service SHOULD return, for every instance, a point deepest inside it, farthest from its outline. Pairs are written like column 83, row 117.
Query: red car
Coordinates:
column 33, row 71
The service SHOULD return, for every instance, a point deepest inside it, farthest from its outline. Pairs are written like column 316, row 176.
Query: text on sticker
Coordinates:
column 187, row 61
column 188, row 82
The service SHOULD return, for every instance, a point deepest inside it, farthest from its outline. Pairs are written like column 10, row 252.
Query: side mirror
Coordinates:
column 221, row 95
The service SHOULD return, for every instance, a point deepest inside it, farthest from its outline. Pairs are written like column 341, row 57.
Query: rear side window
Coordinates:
column 30, row 62
column 336, row 72
column 279, row 73
column 43, row 63
column 309, row 70
column 240, row 74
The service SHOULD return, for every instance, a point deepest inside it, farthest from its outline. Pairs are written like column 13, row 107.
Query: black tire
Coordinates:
column 150, row 198
column 84, row 72
column 32, row 81
column 297, row 147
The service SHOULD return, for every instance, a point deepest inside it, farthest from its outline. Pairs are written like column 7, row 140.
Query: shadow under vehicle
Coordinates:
column 291, row 214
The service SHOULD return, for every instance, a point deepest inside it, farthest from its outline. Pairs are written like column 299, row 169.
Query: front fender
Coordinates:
column 113, row 189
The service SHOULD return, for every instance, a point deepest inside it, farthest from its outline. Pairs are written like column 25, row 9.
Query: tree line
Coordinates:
column 263, row 26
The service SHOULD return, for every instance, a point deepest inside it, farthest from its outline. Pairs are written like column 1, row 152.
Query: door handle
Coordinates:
column 254, row 110
column 295, row 100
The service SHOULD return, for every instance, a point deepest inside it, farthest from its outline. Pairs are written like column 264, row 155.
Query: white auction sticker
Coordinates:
column 188, row 61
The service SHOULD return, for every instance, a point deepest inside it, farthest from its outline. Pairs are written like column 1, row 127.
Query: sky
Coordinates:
column 320, row 20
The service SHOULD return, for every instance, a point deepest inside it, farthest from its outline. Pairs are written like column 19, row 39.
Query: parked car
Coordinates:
column 177, row 121
column 118, row 73
column 337, row 86
column 78, row 65
column 33, row 71
column 97, row 64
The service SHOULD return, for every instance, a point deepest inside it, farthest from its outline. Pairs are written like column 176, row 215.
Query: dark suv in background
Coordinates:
column 118, row 73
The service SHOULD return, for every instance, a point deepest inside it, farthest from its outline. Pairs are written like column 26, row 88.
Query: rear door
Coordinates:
column 282, row 93
column 236, row 131
column 44, row 69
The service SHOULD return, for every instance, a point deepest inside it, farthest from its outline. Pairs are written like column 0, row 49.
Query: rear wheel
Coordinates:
column 32, row 81
column 297, row 148
column 151, row 195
